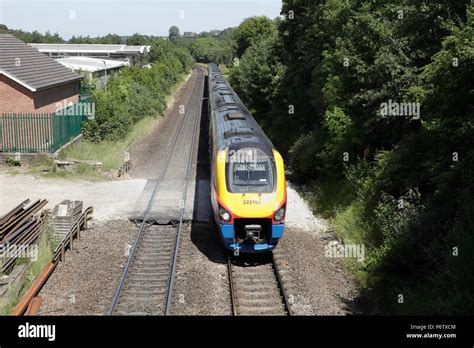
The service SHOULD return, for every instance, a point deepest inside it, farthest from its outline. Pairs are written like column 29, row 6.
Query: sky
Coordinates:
column 125, row 17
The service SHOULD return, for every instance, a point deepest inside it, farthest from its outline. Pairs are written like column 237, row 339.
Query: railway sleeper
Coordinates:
column 268, row 288
column 157, row 247
column 247, row 310
column 142, row 292
column 152, row 264
column 259, row 302
column 148, row 277
column 155, row 273
column 151, row 270
column 254, row 277
column 257, row 295
column 158, row 242
column 129, row 285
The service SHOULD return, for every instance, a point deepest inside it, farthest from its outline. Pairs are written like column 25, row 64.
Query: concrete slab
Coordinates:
column 111, row 200
column 168, row 201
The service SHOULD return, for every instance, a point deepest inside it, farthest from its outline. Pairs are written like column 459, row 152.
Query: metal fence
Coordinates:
column 30, row 133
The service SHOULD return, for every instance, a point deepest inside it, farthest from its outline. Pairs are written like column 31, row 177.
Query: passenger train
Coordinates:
column 248, row 186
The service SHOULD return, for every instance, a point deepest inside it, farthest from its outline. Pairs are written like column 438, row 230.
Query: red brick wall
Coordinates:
column 18, row 99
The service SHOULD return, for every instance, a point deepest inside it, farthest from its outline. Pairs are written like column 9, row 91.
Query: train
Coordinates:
column 248, row 185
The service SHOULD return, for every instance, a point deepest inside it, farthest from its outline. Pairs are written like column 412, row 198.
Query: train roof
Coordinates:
column 236, row 127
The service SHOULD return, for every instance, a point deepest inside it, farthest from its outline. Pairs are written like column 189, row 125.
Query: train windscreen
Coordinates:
column 254, row 174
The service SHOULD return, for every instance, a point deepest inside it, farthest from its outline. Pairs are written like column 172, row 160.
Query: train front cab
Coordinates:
column 239, row 220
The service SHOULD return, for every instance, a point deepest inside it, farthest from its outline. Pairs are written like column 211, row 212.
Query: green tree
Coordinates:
column 138, row 40
column 173, row 33
column 252, row 30
column 211, row 49
column 258, row 76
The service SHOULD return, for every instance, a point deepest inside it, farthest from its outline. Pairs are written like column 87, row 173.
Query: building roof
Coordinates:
column 90, row 64
column 91, row 48
column 30, row 68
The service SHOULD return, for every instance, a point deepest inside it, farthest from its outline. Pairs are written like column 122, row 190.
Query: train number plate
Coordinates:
column 251, row 201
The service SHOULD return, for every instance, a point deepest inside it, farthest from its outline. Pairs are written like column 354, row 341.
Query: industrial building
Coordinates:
column 93, row 69
column 130, row 54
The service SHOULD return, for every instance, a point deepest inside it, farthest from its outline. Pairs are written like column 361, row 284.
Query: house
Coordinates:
column 31, row 82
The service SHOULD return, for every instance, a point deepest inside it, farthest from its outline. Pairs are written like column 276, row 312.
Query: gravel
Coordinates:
column 322, row 286
column 202, row 283
column 85, row 283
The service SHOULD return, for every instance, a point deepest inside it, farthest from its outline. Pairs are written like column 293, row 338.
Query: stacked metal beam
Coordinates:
column 20, row 228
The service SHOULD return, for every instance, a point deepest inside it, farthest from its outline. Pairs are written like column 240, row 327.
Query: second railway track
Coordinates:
column 146, row 284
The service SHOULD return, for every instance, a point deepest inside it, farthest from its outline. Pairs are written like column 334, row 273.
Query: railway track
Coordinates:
column 146, row 284
column 256, row 286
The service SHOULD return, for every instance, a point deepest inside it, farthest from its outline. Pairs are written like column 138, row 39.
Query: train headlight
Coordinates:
column 224, row 214
column 280, row 213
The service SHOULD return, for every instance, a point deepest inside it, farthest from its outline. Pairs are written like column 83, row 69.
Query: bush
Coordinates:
column 135, row 93
column 10, row 161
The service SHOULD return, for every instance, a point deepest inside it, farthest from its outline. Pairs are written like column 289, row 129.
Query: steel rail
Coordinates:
column 232, row 290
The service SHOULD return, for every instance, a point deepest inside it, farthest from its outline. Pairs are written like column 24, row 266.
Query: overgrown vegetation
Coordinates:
column 11, row 162
column 110, row 152
column 401, row 185
column 46, row 245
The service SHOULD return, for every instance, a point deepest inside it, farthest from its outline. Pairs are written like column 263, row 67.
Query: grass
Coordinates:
column 46, row 246
column 349, row 224
column 335, row 200
column 110, row 153
column 12, row 297
column 329, row 196
column 351, row 228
